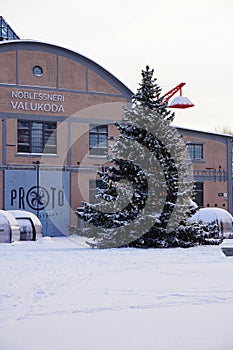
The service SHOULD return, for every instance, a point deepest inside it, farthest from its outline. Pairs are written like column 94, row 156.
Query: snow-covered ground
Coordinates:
column 58, row 294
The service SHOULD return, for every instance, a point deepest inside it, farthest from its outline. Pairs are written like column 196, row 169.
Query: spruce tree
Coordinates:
column 149, row 95
column 146, row 198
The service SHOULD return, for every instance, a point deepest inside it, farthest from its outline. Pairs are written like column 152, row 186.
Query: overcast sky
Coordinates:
column 187, row 41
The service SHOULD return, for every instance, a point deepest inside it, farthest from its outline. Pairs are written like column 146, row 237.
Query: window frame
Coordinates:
column 37, row 71
column 6, row 32
column 43, row 134
column 197, row 149
column 96, row 147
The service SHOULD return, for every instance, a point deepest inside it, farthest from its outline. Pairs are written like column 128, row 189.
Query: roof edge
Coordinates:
column 96, row 67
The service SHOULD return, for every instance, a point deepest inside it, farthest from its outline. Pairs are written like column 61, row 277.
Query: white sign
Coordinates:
column 40, row 102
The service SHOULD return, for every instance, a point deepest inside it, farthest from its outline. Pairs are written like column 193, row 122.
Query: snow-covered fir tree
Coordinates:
column 148, row 190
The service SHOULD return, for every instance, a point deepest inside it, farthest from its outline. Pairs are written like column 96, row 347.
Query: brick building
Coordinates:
column 57, row 110
column 211, row 158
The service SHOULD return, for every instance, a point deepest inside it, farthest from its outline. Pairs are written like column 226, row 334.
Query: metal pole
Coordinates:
column 37, row 163
column 38, row 186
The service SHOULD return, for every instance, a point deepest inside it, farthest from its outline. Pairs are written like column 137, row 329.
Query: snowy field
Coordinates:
column 58, row 294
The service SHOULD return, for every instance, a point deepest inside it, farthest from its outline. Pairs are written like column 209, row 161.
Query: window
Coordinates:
column 37, row 137
column 195, row 151
column 37, row 71
column 6, row 33
column 93, row 185
column 98, row 140
column 199, row 194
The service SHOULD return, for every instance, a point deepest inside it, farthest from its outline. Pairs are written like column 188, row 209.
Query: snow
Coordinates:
column 218, row 215
column 57, row 293
column 211, row 214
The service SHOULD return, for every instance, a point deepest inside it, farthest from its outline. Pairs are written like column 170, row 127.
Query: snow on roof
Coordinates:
column 10, row 218
column 203, row 131
column 25, row 214
column 211, row 214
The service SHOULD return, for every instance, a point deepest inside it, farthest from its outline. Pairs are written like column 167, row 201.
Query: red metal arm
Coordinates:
column 172, row 92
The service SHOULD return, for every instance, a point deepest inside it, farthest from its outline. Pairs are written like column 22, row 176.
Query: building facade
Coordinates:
column 58, row 109
column 211, row 158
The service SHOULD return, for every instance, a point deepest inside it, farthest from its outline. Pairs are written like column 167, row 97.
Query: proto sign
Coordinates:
column 46, row 194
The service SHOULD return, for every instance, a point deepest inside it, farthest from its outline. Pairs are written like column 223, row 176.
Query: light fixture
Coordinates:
column 177, row 102
column 181, row 102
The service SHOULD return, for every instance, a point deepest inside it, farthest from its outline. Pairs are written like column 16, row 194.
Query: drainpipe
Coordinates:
column 4, row 141
column 229, row 174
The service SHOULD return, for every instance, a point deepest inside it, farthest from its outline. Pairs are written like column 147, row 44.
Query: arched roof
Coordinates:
column 24, row 45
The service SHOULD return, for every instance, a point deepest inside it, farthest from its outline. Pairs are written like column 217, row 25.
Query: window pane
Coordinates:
column 93, row 128
column 23, row 136
column 50, row 138
column 50, row 149
column 102, row 140
column 97, row 151
column 4, row 32
column 10, row 34
column 190, row 151
column 101, row 128
column 37, row 137
column 23, row 124
column 50, row 126
column 23, row 148
column 195, row 151
column 198, row 151
column 93, row 140
column 98, row 140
